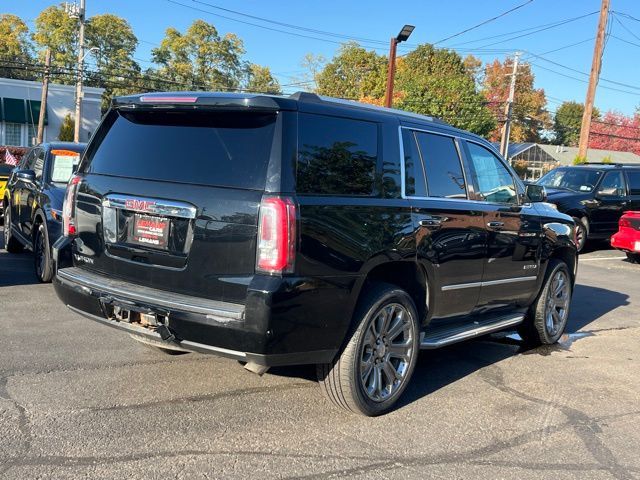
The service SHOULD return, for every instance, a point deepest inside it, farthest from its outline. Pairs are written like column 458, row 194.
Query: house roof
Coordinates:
column 515, row 148
column 566, row 155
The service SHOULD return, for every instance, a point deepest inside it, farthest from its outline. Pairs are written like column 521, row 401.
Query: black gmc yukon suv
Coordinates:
column 308, row 230
column 595, row 195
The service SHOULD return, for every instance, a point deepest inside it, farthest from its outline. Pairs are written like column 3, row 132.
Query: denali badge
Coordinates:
column 530, row 267
column 139, row 205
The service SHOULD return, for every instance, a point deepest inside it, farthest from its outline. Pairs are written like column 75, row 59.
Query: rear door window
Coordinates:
column 442, row 166
column 230, row 149
column 336, row 156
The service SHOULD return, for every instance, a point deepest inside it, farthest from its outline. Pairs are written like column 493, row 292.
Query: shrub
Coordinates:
column 66, row 129
column 578, row 160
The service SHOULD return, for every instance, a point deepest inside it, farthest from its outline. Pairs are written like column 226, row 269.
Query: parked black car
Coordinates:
column 595, row 195
column 33, row 199
column 307, row 230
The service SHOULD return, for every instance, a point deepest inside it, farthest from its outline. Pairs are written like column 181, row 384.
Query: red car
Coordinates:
column 628, row 237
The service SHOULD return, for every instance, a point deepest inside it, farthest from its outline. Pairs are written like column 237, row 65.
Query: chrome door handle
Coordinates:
column 495, row 225
column 431, row 222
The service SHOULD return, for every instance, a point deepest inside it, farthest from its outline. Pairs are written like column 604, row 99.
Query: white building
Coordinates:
column 20, row 109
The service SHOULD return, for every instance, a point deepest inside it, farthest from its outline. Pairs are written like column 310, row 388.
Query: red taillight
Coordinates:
column 624, row 222
column 68, row 209
column 276, row 235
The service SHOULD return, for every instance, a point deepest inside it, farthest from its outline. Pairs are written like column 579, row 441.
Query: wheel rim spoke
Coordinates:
column 556, row 310
column 386, row 352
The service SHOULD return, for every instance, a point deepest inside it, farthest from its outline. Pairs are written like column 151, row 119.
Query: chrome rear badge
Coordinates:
column 83, row 258
column 139, row 205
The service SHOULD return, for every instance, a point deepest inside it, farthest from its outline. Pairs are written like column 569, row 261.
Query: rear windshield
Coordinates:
column 64, row 164
column 211, row 148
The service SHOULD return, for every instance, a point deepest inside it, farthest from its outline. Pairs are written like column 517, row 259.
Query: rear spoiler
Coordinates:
column 194, row 100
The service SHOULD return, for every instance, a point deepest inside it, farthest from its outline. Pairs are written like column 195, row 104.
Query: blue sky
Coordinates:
column 434, row 21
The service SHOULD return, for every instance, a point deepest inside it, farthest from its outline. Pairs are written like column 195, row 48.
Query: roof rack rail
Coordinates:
column 314, row 97
column 613, row 164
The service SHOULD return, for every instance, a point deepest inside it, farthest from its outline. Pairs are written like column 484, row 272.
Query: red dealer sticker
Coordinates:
column 151, row 231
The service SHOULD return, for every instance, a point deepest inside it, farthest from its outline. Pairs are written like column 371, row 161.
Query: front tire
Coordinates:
column 42, row 254
column 11, row 243
column 377, row 362
column 547, row 317
column 582, row 231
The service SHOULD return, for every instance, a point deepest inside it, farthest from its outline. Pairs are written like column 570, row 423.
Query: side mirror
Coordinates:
column 26, row 175
column 536, row 193
column 608, row 192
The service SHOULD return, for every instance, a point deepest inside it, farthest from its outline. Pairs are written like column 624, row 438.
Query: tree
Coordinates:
column 616, row 132
column 56, row 30
column 311, row 65
column 353, row 73
column 261, row 80
column 200, row 58
column 16, row 50
column 436, row 82
column 115, row 43
column 530, row 117
column 66, row 129
column 473, row 66
column 567, row 122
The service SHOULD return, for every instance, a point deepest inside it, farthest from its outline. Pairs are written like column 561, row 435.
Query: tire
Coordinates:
column 582, row 232
column 542, row 326
column 384, row 309
column 11, row 243
column 633, row 257
column 42, row 254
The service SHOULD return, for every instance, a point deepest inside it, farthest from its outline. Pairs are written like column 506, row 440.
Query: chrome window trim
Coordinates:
column 403, row 174
column 489, row 283
column 166, row 208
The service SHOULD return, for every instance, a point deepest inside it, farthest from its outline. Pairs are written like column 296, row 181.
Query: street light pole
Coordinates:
column 391, row 71
column 78, row 114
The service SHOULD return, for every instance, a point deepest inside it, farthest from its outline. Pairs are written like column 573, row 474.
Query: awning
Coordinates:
column 33, row 112
column 14, row 110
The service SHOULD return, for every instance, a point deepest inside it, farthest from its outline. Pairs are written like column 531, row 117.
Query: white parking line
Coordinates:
column 600, row 258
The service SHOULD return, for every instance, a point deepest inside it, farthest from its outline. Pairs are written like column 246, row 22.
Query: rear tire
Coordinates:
column 633, row 257
column 11, row 243
column 547, row 317
column 42, row 254
column 373, row 369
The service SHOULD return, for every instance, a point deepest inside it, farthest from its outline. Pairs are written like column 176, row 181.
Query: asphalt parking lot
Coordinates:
column 78, row 400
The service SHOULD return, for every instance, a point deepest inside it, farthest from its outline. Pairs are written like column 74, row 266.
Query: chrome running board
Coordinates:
column 442, row 336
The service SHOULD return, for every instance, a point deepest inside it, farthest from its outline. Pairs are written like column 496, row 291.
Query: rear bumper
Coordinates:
column 626, row 241
column 285, row 320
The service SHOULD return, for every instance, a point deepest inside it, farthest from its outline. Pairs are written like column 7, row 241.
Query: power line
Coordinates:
column 484, row 22
column 557, row 24
column 625, row 27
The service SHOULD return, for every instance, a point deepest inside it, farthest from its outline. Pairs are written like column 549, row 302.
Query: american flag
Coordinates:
column 9, row 159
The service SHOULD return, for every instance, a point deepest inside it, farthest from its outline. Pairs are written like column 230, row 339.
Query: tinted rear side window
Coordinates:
column 442, row 166
column 211, row 148
column 415, row 183
column 336, row 156
column 634, row 182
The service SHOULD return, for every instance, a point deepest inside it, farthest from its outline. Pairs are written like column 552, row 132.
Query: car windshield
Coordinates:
column 64, row 164
column 575, row 179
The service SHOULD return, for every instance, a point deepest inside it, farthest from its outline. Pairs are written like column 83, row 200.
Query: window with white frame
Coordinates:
column 32, row 135
column 13, row 134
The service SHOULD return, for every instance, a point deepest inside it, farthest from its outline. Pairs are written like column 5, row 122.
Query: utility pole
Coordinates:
column 43, row 98
column 506, row 129
column 391, row 71
column 596, row 65
column 78, row 115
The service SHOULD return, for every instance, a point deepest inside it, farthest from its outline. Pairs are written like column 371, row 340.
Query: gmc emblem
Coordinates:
column 139, row 205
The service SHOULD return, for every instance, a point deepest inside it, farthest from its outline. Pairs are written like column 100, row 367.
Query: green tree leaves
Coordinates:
column 15, row 47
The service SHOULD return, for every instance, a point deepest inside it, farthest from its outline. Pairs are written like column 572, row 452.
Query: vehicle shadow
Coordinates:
column 438, row 368
column 16, row 269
